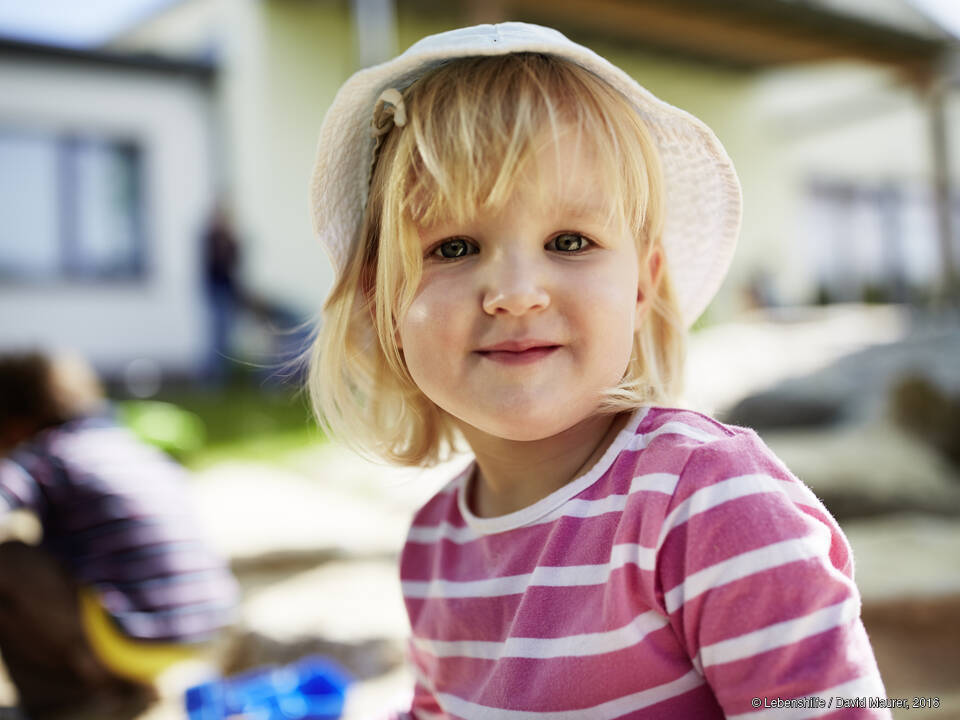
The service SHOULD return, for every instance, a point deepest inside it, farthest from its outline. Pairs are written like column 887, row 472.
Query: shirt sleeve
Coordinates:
column 20, row 482
column 756, row 579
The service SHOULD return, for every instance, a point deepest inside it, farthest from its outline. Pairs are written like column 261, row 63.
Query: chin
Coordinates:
column 525, row 434
column 519, row 428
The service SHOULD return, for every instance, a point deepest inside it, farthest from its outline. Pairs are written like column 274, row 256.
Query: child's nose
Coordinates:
column 514, row 288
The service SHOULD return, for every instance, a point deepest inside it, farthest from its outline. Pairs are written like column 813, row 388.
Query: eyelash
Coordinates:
column 435, row 252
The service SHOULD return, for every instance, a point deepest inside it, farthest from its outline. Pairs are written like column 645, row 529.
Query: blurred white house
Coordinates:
column 835, row 112
column 106, row 172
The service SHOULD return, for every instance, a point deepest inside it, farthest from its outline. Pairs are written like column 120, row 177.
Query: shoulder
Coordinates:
column 682, row 442
column 35, row 467
column 685, row 428
column 443, row 505
column 729, row 484
column 60, row 441
column 710, row 464
column 702, row 443
column 706, row 453
column 96, row 456
column 101, row 442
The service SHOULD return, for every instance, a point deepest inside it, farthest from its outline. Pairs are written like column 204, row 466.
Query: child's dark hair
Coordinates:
column 44, row 390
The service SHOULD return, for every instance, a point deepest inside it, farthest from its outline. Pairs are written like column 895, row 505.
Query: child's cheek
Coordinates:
column 433, row 322
column 437, row 301
column 607, row 311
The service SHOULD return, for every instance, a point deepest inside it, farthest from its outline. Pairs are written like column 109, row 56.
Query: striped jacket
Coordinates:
column 688, row 574
column 116, row 512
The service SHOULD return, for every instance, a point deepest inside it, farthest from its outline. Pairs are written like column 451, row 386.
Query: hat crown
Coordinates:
column 507, row 33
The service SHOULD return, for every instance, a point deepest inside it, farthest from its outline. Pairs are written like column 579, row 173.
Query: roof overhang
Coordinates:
column 16, row 49
column 747, row 34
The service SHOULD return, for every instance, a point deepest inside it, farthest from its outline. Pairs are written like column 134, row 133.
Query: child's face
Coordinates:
column 530, row 272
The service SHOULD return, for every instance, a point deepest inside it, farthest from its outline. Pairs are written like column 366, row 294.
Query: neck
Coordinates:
column 512, row 475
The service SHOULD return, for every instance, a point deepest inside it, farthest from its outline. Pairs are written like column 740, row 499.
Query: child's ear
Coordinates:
column 649, row 282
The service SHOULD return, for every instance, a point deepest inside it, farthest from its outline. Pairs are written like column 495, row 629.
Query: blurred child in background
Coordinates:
column 122, row 585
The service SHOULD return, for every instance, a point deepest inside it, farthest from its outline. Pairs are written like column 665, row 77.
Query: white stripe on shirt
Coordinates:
column 621, row 555
column 734, row 568
column 711, row 496
column 581, row 645
column 639, row 442
column 664, row 483
column 608, row 710
column 814, row 545
column 430, row 534
column 779, row 634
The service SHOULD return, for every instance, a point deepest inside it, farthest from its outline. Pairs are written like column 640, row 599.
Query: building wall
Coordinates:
column 306, row 51
column 858, row 127
column 160, row 316
column 280, row 62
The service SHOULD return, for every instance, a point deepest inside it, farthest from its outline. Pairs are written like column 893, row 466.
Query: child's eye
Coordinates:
column 569, row 242
column 453, row 248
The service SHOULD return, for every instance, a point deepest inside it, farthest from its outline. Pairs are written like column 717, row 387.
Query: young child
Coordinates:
column 520, row 243
column 123, row 584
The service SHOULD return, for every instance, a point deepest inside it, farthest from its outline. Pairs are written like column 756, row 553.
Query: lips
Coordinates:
column 518, row 352
column 518, row 346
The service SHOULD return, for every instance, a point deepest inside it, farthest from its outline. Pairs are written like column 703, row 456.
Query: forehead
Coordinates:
column 568, row 173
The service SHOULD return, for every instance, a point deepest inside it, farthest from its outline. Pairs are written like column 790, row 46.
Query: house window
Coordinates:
column 70, row 207
column 873, row 241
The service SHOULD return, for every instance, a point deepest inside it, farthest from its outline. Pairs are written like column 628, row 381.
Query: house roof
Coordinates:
column 746, row 33
column 201, row 71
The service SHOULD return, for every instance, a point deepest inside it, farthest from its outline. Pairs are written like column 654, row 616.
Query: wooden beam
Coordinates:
column 746, row 33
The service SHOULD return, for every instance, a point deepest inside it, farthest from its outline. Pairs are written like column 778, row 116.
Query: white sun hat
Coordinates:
column 702, row 193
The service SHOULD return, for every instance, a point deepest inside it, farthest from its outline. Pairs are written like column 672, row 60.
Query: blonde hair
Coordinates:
column 472, row 125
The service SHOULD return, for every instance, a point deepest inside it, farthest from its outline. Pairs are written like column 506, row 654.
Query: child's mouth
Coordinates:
column 519, row 357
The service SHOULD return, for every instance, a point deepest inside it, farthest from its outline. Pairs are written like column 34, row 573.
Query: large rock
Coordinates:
column 870, row 469
column 876, row 431
column 856, row 387
column 928, row 413
column 735, row 360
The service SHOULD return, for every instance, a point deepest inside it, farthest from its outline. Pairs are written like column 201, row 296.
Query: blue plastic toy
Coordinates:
column 310, row 689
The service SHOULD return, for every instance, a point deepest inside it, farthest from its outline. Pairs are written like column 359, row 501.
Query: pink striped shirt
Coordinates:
column 687, row 573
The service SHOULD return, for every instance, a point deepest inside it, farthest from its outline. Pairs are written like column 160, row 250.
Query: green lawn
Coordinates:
column 204, row 426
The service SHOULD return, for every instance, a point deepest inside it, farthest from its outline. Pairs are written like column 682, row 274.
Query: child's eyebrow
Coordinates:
column 581, row 209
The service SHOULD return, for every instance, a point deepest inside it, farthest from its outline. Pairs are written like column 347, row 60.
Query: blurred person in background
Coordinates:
column 228, row 297
column 122, row 585
column 221, row 261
